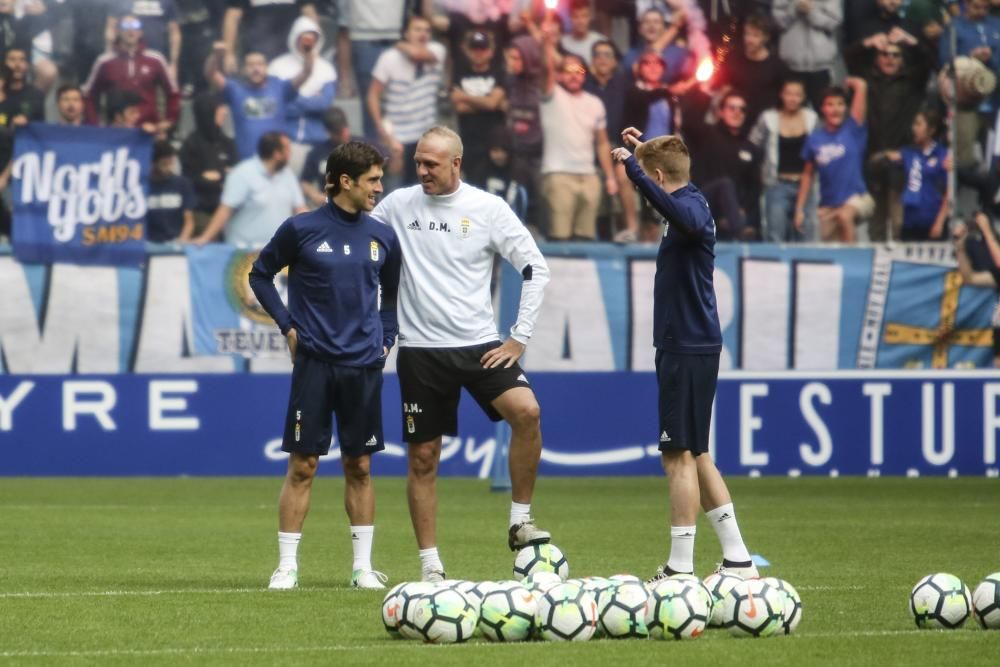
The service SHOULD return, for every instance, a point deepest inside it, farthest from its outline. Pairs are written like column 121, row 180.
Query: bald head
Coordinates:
column 439, row 161
column 445, row 138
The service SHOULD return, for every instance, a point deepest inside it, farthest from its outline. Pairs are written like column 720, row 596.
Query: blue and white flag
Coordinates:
column 226, row 315
column 80, row 194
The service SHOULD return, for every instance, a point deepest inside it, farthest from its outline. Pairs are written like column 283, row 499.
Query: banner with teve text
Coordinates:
column 79, row 194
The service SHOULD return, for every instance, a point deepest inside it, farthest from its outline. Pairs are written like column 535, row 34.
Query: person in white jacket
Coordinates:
column 808, row 43
column 780, row 133
column 304, row 113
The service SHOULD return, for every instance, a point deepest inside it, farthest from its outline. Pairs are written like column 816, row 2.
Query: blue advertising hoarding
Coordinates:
column 863, row 423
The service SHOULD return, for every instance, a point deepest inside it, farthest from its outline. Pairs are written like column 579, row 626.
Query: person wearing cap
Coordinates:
column 131, row 67
column 161, row 29
column 477, row 97
column 170, row 204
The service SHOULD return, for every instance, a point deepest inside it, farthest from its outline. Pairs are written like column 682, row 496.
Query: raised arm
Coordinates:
column 859, row 102
column 230, row 28
column 663, row 202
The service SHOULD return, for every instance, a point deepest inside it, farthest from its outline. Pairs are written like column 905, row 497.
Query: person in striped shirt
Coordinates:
column 402, row 98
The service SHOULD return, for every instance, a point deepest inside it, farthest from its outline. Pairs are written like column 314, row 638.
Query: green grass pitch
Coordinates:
column 168, row 571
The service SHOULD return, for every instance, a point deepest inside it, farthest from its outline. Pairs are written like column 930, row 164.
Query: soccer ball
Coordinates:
column 677, row 609
column 444, row 616
column 471, row 589
column 539, row 582
column 623, row 578
column 700, row 586
column 390, row 611
column 540, row 558
column 940, row 601
column 566, row 613
column 507, row 613
column 719, row 585
column 406, row 599
column 753, row 608
column 792, row 603
column 622, row 610
column 986, row 602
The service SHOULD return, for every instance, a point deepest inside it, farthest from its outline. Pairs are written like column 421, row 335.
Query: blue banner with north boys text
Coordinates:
column 79, row 194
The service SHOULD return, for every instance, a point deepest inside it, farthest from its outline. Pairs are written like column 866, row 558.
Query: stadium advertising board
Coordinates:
column 781, row 308
column 904, row 423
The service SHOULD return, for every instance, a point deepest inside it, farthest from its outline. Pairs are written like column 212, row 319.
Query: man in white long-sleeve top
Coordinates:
column 449, row 233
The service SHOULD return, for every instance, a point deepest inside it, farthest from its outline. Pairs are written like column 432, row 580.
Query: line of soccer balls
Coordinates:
column 942, row 600
column 542, row 603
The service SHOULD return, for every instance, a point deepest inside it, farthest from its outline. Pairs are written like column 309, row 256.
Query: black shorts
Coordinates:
column 687, row 390
column 430, row 382
column 321, row 388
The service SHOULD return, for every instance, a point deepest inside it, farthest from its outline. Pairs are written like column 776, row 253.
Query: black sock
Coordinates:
column 730, row 563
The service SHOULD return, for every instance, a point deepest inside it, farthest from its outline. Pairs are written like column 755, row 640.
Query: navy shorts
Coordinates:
column 431, row 381
column 321, row 388
column 687, row 391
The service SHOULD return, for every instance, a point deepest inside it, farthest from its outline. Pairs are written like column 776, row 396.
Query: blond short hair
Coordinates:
column 669, row 154
column 449, row 136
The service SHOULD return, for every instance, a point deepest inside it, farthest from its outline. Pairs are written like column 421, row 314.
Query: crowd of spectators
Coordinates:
column 820, row 119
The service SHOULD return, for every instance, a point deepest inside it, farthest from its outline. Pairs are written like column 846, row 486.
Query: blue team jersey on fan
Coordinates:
column 926, row 179
column 337, row 264
column 838, row 158
column 685, row 314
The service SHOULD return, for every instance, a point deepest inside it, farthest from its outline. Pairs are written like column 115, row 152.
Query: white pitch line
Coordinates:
column 258, row 650
column 97, row 594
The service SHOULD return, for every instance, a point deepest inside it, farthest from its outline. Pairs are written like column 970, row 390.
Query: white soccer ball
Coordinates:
column 622, row 610
column 471, row 589
column 753, row 608
column 566, row 613
column 622, row 578
column 444, row 616
column 406, row 596
column 986, row 602
column 940, row 601
column 700, row 586
column 791, row 604
column 677, row 610
column 719, row 585
column 390, row 611
column 507, row 612
column 540, row 558
column 539, row 582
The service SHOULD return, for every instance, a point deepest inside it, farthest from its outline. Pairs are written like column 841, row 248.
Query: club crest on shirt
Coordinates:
column 464, row 226
column 373, row 251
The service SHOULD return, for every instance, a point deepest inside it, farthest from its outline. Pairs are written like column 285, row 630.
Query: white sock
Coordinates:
column 430, row 560
column 288, row 550
column 361, row 542
column 519, row 513
column 681, row 549
column 723, row 519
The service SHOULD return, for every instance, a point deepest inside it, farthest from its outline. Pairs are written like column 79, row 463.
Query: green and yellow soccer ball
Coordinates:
column 940, row 601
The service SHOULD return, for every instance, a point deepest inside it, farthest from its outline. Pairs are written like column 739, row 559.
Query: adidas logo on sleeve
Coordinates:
column 324, row 247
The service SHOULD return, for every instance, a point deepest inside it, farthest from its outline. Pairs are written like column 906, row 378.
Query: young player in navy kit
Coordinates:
column 688, row 341
column 338, row 257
